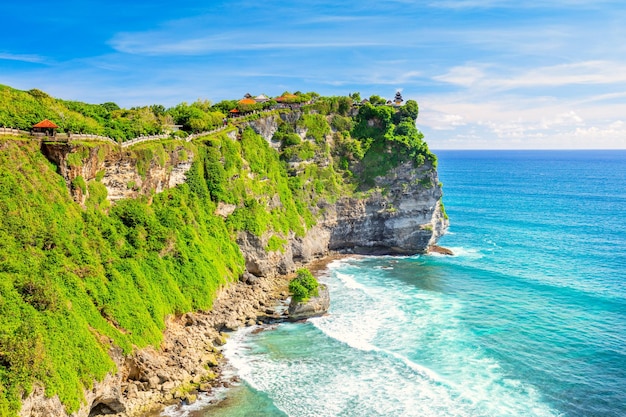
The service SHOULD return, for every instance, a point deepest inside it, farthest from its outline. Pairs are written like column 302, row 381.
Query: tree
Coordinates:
column 110, row 106
column 356, row 97
column 38, row 94
column 377, row 100
column 411, row 109
column 344, row 104
column 158, row 109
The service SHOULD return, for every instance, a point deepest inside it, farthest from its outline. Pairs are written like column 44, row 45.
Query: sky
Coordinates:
column 487, row 74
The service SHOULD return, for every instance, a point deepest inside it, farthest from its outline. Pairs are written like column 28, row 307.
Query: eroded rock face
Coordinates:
column 266, row 127
column 404, row 216
column 262, row 262
column 123, row 180
column 106, row 397
column 117, row 169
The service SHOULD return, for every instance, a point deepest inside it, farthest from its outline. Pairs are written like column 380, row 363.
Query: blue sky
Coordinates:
column 486, row 73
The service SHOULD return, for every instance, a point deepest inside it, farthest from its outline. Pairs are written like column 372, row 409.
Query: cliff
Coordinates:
column 402, row 215
column 144, row 170
column 107, row 248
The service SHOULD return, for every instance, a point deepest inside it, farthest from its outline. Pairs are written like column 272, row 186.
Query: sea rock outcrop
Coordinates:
column 313, row 307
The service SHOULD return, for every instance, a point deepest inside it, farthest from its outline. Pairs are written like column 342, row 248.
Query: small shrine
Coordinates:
column 398, row 99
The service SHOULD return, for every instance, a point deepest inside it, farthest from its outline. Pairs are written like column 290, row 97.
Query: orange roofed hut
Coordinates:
column 247, row 101
column 45, row 127
column 246, row 105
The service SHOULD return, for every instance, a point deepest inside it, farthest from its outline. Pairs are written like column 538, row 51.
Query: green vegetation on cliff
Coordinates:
column 76, row 281
column 22, row 109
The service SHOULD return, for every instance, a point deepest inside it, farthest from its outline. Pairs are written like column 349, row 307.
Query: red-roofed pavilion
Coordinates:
column 46, row 127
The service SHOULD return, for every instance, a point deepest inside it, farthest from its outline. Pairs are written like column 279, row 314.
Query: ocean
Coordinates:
column 528, row 318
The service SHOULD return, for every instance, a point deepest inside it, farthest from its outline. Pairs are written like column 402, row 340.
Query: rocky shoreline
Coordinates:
column 188, row 362
column 198, row 336
column 193, row 361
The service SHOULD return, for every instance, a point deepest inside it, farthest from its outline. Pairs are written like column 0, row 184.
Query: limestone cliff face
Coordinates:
column 124, row 173
column 401, row 214
column 123, row 179
column 405, row 218
column 266, row 127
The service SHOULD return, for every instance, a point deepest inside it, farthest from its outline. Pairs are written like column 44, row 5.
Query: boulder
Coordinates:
column 313, row 307
column 440, row 250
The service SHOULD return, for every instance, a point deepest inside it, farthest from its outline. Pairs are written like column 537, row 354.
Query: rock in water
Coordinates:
column 440, row 250
column 313, row 307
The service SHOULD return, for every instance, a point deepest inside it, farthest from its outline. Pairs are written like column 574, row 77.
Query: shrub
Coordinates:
column 79, row 183
column 303, row 286
column 276, row 243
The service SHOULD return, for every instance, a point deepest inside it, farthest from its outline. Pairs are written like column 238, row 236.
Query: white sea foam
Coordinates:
column 350, row 282
column 461, row 252
column 386, row 349
column 203, row 401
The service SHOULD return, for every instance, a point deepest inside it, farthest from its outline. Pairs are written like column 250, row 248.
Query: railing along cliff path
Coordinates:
column 68, row 137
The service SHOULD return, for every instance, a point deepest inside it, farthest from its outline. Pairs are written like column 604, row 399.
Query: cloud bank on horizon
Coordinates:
column 487, row 73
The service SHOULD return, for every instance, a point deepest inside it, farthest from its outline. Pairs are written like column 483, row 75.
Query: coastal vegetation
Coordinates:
column 22, row 109
column 303, row 286
column 77, row 280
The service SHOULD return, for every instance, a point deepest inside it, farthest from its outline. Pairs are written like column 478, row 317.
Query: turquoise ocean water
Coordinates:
column 527, row 319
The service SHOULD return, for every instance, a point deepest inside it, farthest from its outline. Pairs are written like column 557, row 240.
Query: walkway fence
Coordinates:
column 68, row 137
column 12, row 132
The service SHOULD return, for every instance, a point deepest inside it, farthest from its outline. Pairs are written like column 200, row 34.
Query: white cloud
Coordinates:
column 490, row 77
column 146, row 45
column 454, row 121
column 441, row 121
column 465, row 76
column 37, row 59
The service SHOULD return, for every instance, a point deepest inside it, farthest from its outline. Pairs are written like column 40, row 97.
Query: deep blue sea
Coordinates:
column 527, row 319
